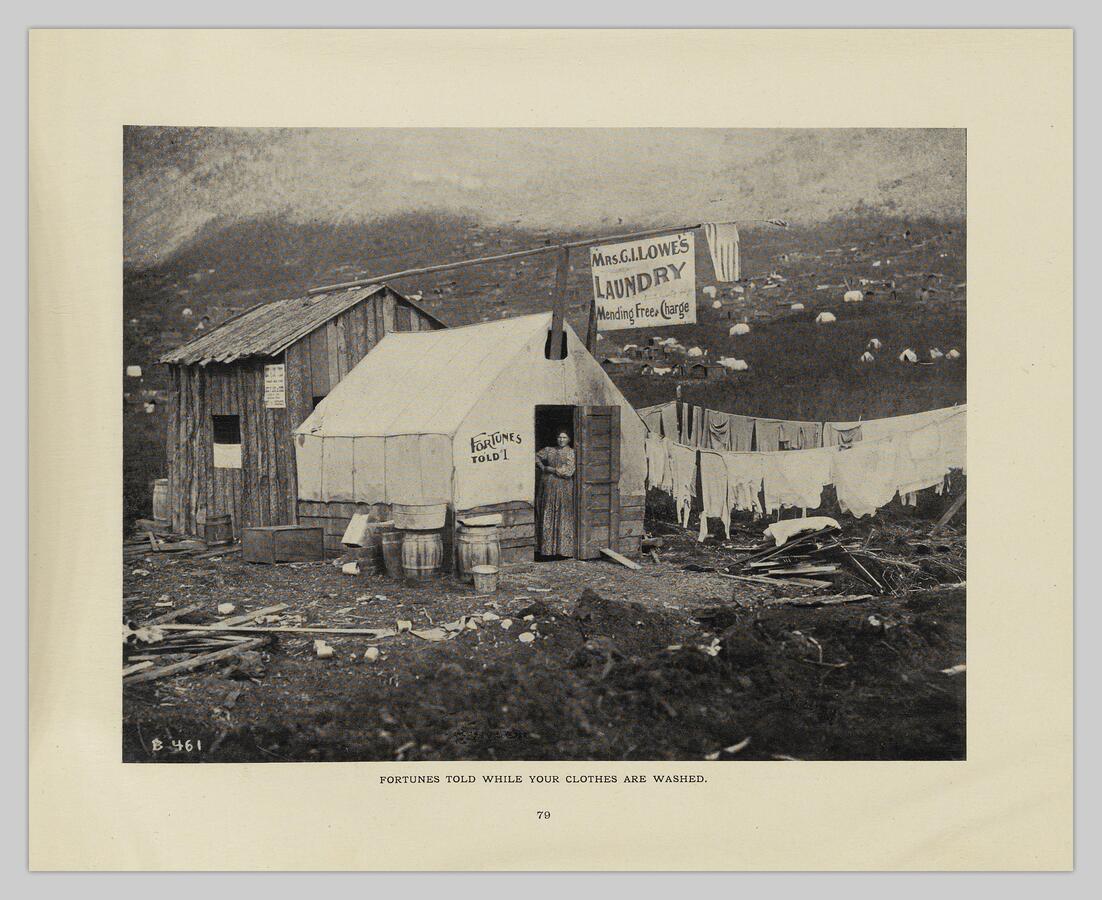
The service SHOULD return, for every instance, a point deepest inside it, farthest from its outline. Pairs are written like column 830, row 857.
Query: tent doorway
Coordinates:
column 595, row 437
column 551, row 421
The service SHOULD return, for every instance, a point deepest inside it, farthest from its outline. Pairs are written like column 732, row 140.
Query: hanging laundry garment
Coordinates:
column 669, row 421
column 954, row 440
column 697, row 438
column 841, row 434
column 723, row 245
column 796, row 477
column 865, row 476
column 876, row 429
column 652, row 417
column 685, row 417
column 742, row 433
column 920, row 462
column 717, row 430
column 713, row 487
column 784, row 434
column 683, row 472
column 744, row 476
column 658, row 463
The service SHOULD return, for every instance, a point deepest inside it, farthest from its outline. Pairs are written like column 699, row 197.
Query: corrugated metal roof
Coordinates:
column 423, row 382
column 270, row 328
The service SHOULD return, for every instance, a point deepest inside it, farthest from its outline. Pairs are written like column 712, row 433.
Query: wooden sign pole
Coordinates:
column 591, row 328
column 562, row 276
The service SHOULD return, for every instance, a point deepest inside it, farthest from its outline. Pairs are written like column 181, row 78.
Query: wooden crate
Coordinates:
column 283, row 543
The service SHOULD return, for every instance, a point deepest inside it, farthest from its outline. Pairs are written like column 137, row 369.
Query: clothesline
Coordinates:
column 866, row 474
column 698, row 426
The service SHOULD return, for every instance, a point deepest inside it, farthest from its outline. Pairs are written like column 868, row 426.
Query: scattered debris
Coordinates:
column 224, row 609
column 622, row 560
column 526, row 638
column 954, row 670
column 371, row 654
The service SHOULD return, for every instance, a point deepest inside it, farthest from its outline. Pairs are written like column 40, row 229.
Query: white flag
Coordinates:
column 723, row 244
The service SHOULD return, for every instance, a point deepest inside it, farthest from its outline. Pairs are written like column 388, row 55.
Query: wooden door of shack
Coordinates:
column 597, row 477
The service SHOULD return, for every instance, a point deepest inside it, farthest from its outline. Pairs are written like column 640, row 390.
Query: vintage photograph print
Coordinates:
column 543, row 444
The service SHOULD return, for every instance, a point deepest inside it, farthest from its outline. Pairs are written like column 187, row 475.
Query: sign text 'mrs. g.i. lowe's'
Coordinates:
column 645, row 283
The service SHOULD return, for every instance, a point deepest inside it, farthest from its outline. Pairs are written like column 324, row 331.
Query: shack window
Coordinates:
column 227, row 441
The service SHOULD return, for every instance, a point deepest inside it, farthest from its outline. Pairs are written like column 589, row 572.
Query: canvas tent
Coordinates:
column 456, row 416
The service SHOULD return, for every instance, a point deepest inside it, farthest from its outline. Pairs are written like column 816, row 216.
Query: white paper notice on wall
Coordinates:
column 645, row 283
column 275, row 387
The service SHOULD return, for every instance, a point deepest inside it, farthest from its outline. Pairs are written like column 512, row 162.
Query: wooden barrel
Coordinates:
column 160, row 500
column 422, row 554
column 476, row 546
column 391, row 543
column 218, row 530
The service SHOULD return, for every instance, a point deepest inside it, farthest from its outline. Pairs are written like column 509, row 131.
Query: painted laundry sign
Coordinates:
column 645, row 283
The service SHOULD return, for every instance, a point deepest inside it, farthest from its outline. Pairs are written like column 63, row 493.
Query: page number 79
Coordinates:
column 543, row 814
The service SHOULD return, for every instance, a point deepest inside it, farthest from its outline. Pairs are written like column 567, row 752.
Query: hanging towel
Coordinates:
column 718, row 430
column 658, row 463
column 865, row 476
column 713, row 486
column 744, row 475
column 683, row 471
column 669, row 421
column 771, row 434
column 742, row 433
column 796, row 477
column 841, row 434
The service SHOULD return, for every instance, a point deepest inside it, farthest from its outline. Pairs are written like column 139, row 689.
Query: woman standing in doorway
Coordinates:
column 555, row 501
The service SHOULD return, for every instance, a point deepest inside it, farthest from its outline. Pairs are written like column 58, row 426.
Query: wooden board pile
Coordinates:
column 803, row 560
column 148, row 543
column 160, row 647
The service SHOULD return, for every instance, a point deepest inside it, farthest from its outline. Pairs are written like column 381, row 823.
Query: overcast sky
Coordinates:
column 178, row 180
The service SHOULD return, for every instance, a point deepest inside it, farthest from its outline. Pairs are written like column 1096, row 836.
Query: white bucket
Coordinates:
column 485, row 579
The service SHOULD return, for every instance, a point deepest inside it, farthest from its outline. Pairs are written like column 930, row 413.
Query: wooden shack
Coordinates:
column 240, row 390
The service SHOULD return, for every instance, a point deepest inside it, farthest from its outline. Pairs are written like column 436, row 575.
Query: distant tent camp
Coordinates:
column 908, row 356
column 456, row 416
column 740, row 328
column 825, row 318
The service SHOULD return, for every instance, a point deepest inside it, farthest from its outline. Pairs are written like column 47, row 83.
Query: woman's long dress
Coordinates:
column 555, row 503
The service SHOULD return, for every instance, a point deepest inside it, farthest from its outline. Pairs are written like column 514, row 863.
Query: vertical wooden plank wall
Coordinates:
column 264, row 491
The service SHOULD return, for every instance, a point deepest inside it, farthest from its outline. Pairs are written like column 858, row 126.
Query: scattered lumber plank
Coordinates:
column 280, row 629
column 949, row 513
column 818, row 601
column 175, row 614
column 622, row 560
column 137, row 667
column 758, row 579
column 194, row 663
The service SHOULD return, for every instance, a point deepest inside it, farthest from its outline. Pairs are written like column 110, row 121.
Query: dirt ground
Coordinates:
column 656, row 664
